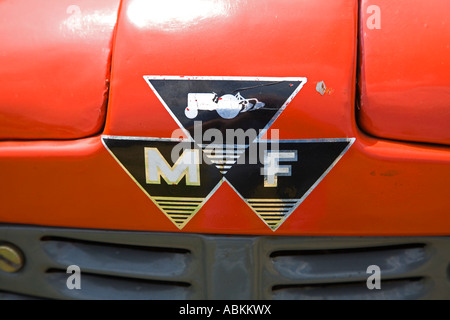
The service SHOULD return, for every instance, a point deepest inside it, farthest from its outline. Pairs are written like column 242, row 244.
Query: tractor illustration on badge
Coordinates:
column 228, row 106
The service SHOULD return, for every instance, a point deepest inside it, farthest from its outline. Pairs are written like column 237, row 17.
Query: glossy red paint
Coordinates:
column 378, row 188
column 54, row 60
column 281, row 39
column 405, row 66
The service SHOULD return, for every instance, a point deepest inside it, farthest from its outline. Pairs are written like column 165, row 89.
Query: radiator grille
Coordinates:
column 145, row 265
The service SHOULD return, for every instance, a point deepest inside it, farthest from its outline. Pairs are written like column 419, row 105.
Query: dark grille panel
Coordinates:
column 336, row 268
column 145, row 265
column 114, row 265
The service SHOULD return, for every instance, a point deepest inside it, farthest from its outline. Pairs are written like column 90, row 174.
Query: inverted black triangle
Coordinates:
column 274, row 93
column 179, row 200
column 129, row 152
column 274, row 203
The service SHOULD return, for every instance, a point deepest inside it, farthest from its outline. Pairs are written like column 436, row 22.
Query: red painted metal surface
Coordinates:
column 282, row 38
column 405, row 66
column 378, row 188
column 54, row 60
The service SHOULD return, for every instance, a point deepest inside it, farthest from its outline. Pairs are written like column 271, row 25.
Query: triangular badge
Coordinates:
column 276, row 185
column 215, row 111
column 171, row 172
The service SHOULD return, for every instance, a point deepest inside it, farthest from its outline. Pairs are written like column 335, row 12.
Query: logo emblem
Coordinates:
column 224, row 119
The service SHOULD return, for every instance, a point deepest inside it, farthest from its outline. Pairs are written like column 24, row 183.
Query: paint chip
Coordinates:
column 322, row 88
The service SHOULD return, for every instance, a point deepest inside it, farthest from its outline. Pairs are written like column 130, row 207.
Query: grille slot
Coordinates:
column 400, row 289
column 348, row 263
column 155, row 263
column 96, row 286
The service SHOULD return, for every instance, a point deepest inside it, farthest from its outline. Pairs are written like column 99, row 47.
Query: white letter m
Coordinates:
column 187, row 165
